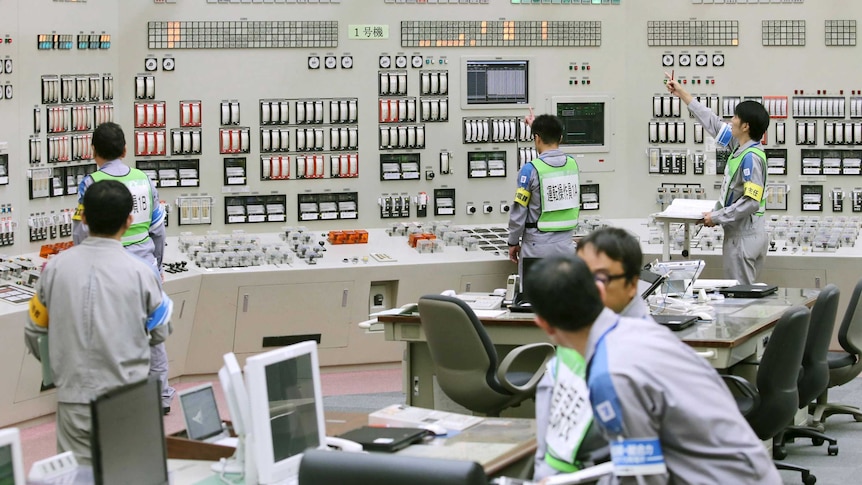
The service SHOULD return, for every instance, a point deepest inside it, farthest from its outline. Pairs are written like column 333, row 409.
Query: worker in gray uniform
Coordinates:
column 741, row 206
column 614, row 257
column 547, row 201
column 665, row 412
column 145, row 238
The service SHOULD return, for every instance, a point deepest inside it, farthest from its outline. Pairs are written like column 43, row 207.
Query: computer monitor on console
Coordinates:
column 286, row 409
column 233, row 387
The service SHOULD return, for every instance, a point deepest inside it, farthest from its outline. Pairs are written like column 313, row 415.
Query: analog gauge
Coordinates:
column 151, row 64
column 400, row 62
column 385, row 62
column 416, row 61
column 346, row 62
column 314, row 62
column 330, row 62
column 667, row 60
column 684, row 60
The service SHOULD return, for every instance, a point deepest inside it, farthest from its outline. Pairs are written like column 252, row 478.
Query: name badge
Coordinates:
column 570, row 414
column 635, row 457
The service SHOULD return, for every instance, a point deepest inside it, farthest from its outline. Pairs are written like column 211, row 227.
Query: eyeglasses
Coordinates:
column 606, row 278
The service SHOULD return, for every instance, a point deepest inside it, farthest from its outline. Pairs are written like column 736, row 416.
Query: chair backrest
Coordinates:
column 320, row 467
column 850, row 332
column 814, row 378
column 464, row 356
column 778, row 374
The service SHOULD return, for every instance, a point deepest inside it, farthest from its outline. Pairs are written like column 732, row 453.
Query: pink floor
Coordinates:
column 39, row 441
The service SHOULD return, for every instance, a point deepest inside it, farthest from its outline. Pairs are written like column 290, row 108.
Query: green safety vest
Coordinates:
column 142, row 203
column 733, row 164
column 560, row 191
column 576, row 365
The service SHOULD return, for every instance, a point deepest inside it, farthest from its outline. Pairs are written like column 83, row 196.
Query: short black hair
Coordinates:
column 755, row 115
column 619, row 245
column 549, row 128
column 109, row 141
column 563, row 292
column 107, row 205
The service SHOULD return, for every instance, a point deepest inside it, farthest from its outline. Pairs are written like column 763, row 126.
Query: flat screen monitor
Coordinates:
column 495, row 82
column 128, row 436
column 586, row 122
column 11, row 460
column 679, row 275
column 286, row 409
column 233, row 386
column 200, row 412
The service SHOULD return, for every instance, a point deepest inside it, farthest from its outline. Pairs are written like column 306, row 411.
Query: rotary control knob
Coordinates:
column 667, row 60
column 416, row 61
column 718, row 60
column 385, row 62
column 346, row 62
column 400, row 62
column 330, row 62
column 684, row 60
column 151, row 64
column 700, row 60
column 314, row 62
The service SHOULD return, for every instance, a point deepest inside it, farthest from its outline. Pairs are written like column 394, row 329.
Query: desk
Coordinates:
column 502, row 446
column 738, row 333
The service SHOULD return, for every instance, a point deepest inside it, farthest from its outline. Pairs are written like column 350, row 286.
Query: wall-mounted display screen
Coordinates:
column 583, row 123
column 497, row 82
column 587, row 126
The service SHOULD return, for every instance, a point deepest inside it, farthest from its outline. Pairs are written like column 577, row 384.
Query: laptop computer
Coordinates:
column 375, row 438
column 201, row 416
column 675, row 322
column 748, row 291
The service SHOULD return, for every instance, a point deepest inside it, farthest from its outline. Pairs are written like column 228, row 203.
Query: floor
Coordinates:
column 364, row 391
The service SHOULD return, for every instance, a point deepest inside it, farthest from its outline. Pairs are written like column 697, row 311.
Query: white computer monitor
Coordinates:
column 233, row 386
column 11, row 460
column 286, row 409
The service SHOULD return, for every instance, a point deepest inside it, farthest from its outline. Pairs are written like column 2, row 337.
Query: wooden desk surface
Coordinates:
column 495, row 443
column 737, row 319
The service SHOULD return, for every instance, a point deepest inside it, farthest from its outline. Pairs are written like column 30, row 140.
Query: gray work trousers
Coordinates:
column 159, row 367
column 744, row 251
column 73, row 430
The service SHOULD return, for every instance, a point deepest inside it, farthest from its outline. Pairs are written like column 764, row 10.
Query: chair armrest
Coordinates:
column 503, row 368
column 742, row 387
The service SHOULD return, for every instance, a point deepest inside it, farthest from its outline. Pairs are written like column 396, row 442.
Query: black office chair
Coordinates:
column 773, row 403
column 846, row 364
column 814, row 377
column 320, row 467
column 465, row 360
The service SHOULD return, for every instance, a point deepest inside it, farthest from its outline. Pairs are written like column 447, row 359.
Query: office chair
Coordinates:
column 846, row 364
column 465, row 360
column 773, row 403
column 814, row 378
column 320, row 467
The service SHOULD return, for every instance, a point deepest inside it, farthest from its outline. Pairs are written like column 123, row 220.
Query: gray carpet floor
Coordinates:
column 843, row 469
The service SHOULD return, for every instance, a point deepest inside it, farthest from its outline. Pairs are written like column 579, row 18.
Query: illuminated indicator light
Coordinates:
column 544, row 30
column 484, row 27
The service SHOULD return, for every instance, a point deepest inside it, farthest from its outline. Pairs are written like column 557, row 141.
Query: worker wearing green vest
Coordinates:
column 547, row 200
column 741, row 203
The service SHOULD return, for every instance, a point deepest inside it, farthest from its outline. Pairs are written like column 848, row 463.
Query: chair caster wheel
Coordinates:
column 779, row 453
column 817, row 441
column 809, row 479
column 832, row 450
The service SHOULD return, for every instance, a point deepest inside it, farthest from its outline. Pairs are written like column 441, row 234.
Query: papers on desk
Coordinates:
column 712, row 284
column 687, row 209
column 489, row 313
column 409, row 416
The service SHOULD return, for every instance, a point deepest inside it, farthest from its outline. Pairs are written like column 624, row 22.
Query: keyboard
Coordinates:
column 482, row 302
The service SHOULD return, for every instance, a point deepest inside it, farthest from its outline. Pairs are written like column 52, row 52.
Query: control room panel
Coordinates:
column 256, row 115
